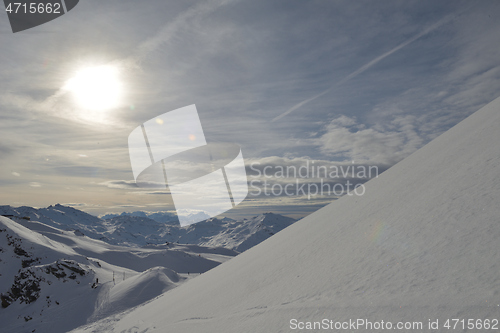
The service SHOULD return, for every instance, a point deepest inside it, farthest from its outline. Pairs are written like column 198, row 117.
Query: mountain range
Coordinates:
column 61, row 268
column 143, row 228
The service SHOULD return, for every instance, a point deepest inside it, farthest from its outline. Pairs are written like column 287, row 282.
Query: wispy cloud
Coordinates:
column 120, row 184
column 172, row 29
column 368, row 65
column 384, row 144
column 81, row 205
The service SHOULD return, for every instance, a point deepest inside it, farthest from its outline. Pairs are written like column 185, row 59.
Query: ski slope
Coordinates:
column 53, row 280
column 422, row 244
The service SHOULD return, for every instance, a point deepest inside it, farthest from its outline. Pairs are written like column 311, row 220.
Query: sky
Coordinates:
column 338, row 84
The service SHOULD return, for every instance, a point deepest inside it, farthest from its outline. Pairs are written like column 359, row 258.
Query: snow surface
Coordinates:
column 124, row 261
column 53, row 280
column 422, row 243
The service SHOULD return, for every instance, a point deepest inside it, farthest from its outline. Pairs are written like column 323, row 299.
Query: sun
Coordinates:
column 96, row 88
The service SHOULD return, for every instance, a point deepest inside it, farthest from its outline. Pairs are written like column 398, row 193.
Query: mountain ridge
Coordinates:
column 139, row 229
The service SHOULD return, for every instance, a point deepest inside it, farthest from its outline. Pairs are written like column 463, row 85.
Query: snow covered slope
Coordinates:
column 53, row 280
column 137, row 229
column 238, row 235
column 39, row 279
column 422, row 243
column 61, row 217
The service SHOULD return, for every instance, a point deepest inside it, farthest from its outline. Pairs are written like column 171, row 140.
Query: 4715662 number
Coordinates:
column 471, row 324
column 34, row 8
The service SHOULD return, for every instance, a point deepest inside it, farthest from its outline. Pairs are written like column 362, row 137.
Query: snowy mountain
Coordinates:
column 60, row 217
column 236, row 235
column 420, row 246
column 61, row 268
column 142, row 228
column 56, row 216
column 136, row 228
column 54, row 281
column 162, row 217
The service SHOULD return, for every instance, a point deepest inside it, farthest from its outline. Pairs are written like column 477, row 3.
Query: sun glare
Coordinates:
column 96, row 88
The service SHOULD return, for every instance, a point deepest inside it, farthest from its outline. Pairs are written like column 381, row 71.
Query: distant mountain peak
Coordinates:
column 141, row 228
